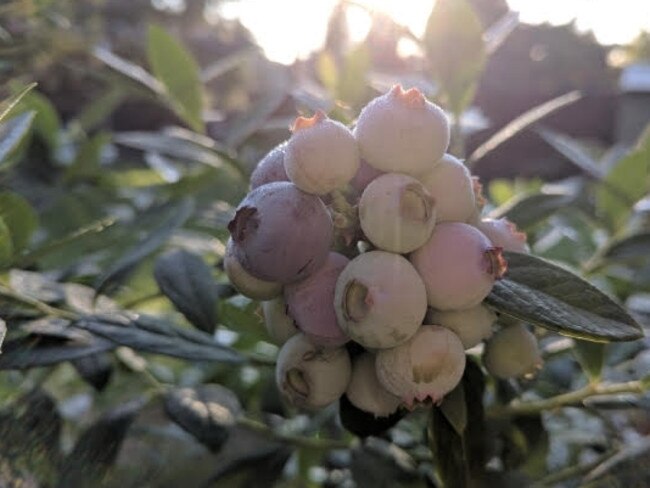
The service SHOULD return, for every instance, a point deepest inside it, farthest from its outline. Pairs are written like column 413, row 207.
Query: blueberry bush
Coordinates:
column 212, row 274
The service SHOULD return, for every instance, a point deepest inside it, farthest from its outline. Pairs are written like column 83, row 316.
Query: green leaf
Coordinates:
column 352, row 84
column 142, row 78
column 87, row 163
column 459, row 457
column 173, row 218
column 454, row 46
column 520, row 123
column 159, row 338
column 47, row 123
column 454, row 408
column 543, row 294
column 12, row 133
column 3, row 333
column 591, row 356
column 529, row 209
column 19, row 217
column 207, row 412
column 327, row 71
column 573, row 152
column 7, row 105
column 6, row 244
column 187, row 281
column 175, row 67
column 626, row 182
column 98, row 446
column 630, row 249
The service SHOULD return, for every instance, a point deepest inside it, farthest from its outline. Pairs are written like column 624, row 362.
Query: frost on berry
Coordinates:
column 472, row 325
column 278, row 323
column 270, row 168
column 281, row 233
column 426, row 367
column 311, row 303
column 505, row 234
column 245, row 283
column 450, row 184
column 512, row 352
column 402, row 132
column 458, row 265
column 322, row 154
column 366, row 392
column 397, row 213
column 311, row 376
column 380, row 300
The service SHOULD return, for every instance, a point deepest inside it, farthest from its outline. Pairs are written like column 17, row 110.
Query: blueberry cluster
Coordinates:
column 374, row 236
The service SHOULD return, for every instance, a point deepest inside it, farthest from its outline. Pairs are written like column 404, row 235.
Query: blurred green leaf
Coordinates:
column 47, row 123
column 30, row 429
column 159, row 338
column 3, row 333
column 626, row 183
column 573, row 152
column 207, row 412
column 381, row 464
column 454, row 408
column 543, row 294
column 12, row 133
column 527, row 210
column 520, row 123
column 6, row 244
column 499, row 31
column 252, row 120
column 352, row 82
column 99, row 109
column 327, row 71
column 173, row 218
column 631, row 249
column 227, row 63
column 187, row 281
column 87, row 163
column 454, row 46
column 591, row 356
column 175, row 67
column 131, row 71
column 97, row 448
column 7, row 105
column 19, row 217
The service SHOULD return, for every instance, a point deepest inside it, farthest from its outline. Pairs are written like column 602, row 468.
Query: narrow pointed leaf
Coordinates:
column 546, row 295
column 187, row 281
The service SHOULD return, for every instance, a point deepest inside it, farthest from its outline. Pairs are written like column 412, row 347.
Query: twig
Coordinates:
column 294, row 440
column 566, row 399
column 37, row 304
column 573, row 471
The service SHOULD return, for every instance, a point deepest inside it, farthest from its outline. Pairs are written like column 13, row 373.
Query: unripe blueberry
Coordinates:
column 472, row 325
column 512, row 352
column 397, row 213
column 505, row 234
column 270, row 168
column 311, row 303
column 311, row 376
column 245, row 283
column 450, row 184
column 278, row 323
column 428, row 366
column 322, row 154
column 281, row 233
column 366, row 392
column 458, row 265
column 402, row 132
column 380, row 299
column 364, row 176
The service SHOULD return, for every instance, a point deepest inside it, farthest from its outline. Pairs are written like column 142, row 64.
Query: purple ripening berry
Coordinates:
column 281, row 233
column 270, row 168
column 311, row 303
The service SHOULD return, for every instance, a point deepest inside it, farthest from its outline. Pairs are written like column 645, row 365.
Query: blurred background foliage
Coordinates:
column 127, row 134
